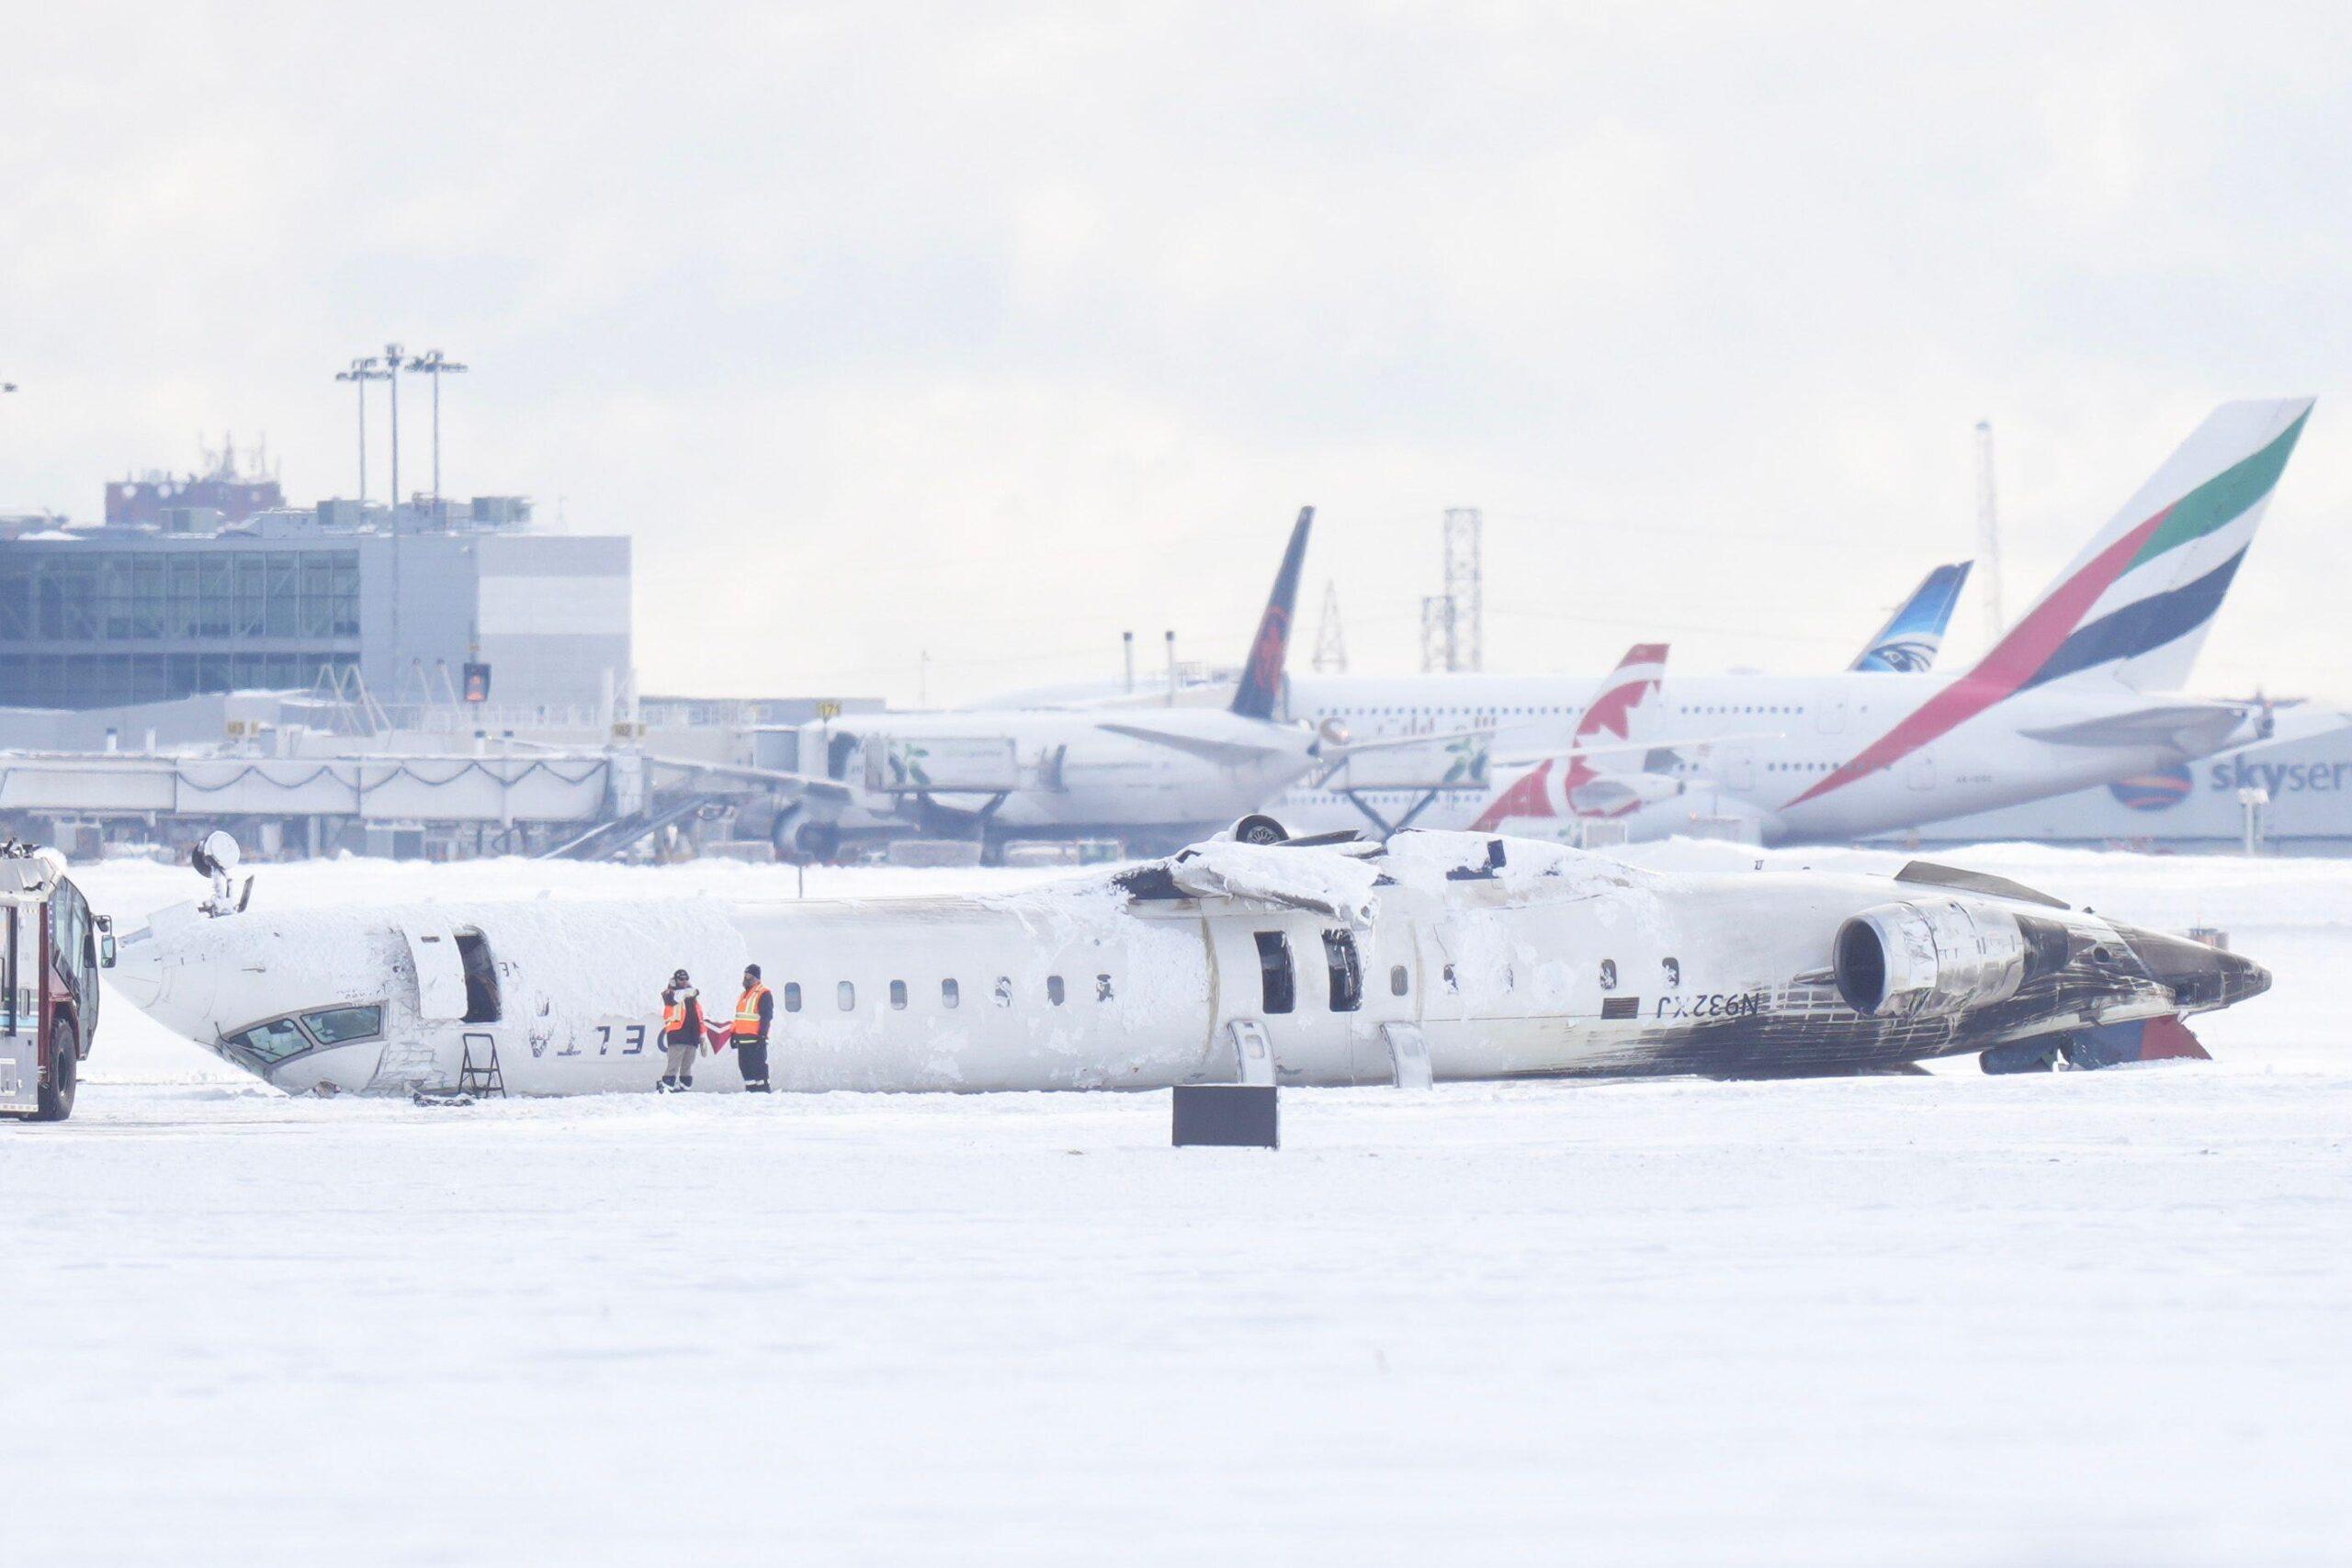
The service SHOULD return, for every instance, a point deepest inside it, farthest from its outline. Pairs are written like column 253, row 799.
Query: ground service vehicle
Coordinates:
column 52, row 948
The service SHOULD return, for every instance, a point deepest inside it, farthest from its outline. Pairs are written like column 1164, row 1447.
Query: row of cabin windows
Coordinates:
column 1279, row 987
column 951, row 995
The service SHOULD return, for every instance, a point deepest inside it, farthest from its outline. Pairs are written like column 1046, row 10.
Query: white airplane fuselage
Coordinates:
column 1079, row 776
column 1552, row 963
column 1782, row 736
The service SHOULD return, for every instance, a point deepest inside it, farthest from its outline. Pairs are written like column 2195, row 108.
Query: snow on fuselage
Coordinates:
column 1551, row 963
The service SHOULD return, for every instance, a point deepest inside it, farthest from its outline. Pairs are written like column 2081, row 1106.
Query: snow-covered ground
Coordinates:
column 2066, row 1318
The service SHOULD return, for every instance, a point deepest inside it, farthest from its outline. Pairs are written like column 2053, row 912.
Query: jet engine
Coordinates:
column 1937, row 957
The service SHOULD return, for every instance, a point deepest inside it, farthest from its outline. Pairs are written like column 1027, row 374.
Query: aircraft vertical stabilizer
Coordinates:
column 2133, row 608
column 1913, row 635
column 1261, row 677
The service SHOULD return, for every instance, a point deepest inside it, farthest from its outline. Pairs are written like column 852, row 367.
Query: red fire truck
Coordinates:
column 52, row 948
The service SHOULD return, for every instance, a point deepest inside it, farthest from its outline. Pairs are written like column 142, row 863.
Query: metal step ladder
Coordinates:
column 481, row 1076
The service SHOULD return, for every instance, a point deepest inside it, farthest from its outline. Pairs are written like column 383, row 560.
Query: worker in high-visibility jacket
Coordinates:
column 755, row 1016
column 681, row 1031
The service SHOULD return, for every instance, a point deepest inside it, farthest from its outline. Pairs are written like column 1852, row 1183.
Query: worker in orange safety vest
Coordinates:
column 681, row 1033
column 755, row 1015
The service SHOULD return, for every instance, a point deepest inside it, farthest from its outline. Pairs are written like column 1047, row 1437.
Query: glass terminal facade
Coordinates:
column 88, row 628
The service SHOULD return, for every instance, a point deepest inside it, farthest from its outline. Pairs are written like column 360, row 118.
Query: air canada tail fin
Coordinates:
column 1261, row 677
column 2136, row 605
column 1913, row 635
column 1636, row 676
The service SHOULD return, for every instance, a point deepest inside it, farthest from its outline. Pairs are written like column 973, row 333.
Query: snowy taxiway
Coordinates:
column 2055, row 1318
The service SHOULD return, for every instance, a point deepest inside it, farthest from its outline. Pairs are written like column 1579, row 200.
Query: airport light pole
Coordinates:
column 362, row 371
column 392, row 373
column 432, row 363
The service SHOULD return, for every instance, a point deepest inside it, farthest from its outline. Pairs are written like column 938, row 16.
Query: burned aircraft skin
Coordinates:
column 1497, row 958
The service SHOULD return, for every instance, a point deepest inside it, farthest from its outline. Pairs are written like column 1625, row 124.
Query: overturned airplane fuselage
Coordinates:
column 1490, row 958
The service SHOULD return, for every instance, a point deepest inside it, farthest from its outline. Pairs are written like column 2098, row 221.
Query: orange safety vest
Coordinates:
column 674, row 1020
column 747, row 1012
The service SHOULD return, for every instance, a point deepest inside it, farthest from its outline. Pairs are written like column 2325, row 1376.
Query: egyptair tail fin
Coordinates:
column 1261, row 677
column 1913, row 635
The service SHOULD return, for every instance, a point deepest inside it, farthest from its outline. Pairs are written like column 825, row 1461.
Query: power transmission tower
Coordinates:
column 1453, row 625
column 1331, row 642
column 1988, row 535
column 1436, row 617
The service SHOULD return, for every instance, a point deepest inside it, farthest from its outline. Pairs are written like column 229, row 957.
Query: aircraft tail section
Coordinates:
column 1575, row 785
column 1913, row 635
column 2136, row 605
column 1261, row 677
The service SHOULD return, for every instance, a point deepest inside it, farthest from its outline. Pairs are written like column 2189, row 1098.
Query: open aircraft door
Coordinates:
column 440, row 971
column 20, row 1007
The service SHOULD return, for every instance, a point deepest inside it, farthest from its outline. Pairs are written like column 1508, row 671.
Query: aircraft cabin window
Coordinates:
column 1004, row 990
column 846, row 994
column 1451, row 983
column 792, row 995
column 1398, row 981
column 1346, row 970
column 949, row 996
column 1608, row 973
column 1054, row 989
column 898, row 994
column 336, row 1025
column 1673, row 971
column 1102, row 987
column 1279, row 990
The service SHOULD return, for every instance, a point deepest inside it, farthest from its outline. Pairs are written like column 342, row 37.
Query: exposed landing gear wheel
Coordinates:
column 65, row 1076
column 1259, row 828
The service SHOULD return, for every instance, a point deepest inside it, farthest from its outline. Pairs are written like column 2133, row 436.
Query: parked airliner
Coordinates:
column 2080, row 692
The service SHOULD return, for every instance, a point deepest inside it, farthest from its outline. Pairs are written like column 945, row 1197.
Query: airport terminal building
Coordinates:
column 147, row 612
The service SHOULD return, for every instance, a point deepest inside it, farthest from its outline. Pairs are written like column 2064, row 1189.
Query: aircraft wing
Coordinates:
column 799, row 785
column 2157, row 725
column 1225, row 753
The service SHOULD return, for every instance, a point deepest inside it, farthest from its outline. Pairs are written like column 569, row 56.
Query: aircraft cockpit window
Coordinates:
column 1279, row 990
column 274, row 1041
column 336, row 1025
column 1347, row 970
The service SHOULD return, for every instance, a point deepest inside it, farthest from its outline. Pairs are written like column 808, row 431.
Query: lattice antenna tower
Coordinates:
column 1331, row 642
column 1466, row 592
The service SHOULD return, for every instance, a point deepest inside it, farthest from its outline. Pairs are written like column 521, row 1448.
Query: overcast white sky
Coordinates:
column 990, row 332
